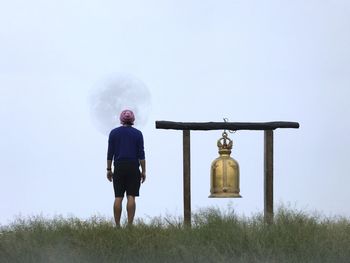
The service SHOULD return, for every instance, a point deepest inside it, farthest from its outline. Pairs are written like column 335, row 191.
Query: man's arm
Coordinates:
column 110, row 154
column 109, row 170
column 143, row 170
column 141, row 156
column 109, row 165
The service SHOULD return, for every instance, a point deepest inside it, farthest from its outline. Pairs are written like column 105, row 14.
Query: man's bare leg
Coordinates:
column 117, row 208
column 131, row 207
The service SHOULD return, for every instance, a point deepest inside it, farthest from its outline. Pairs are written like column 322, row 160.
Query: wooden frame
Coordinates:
column 267, row 127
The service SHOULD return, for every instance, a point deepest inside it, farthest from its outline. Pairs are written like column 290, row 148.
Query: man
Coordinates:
column 125, row 148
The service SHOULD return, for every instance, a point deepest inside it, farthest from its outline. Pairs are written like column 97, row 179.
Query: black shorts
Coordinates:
column 126, row 178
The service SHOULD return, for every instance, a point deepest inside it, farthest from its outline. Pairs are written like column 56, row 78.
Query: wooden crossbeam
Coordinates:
column 205, row 126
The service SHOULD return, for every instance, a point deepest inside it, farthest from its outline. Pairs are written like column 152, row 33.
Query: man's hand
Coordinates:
column 109, row 175
column 143, row 177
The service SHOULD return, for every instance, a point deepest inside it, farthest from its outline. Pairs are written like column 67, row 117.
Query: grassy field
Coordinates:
column 215, row 236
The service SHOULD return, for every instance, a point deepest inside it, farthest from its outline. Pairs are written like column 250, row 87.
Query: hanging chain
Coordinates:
column 225, row 137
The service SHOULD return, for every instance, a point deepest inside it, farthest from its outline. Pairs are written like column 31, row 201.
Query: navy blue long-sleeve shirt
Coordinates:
column 125, row 143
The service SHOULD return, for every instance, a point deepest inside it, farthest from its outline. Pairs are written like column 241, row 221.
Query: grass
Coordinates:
column 215, row 236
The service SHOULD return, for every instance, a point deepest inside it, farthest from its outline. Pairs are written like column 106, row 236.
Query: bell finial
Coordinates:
column 224, row 147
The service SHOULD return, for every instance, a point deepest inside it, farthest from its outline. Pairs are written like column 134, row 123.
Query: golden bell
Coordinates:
column 224, row 174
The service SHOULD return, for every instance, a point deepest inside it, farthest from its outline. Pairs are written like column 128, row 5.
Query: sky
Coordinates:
column 248, row 61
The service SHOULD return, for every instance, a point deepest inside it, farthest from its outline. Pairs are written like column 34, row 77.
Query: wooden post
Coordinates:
column 187, row 177
column 268, row 176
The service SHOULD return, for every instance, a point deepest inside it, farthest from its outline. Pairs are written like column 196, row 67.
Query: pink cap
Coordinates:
column 127, row 117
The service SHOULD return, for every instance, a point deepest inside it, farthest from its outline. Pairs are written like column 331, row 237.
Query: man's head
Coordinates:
column 127, row 117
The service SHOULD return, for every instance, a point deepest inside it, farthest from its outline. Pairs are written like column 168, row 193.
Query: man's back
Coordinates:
column 125, row 143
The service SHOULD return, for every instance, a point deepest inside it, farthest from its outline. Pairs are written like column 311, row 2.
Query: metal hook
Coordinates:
column 230, row 131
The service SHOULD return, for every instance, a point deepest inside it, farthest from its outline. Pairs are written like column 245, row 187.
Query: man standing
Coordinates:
column 125, row 148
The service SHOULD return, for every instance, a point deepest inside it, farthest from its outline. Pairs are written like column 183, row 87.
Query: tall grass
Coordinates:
column 215, row 236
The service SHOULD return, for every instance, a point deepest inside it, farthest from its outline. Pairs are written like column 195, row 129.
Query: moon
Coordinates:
column 114, row 93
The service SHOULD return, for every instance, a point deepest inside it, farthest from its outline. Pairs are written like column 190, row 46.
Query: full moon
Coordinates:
column 117, row 92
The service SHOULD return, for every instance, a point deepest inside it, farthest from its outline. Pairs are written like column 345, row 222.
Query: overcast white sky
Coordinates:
column 201, row 61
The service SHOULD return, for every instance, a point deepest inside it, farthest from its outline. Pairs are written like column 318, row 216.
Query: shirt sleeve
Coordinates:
column 110, row 151
column 141, row 151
